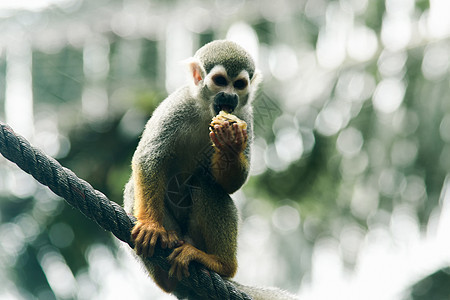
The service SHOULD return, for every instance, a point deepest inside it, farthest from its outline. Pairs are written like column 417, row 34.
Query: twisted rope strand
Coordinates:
column 201, row 284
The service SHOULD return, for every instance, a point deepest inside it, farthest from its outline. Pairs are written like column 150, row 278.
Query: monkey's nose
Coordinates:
column 225, row 101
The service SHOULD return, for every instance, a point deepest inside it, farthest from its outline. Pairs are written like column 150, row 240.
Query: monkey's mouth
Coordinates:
column 226, row 102
column 225, row 108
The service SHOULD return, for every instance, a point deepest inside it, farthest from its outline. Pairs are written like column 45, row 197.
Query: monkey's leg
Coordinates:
column 213, row 231
column 183, row 255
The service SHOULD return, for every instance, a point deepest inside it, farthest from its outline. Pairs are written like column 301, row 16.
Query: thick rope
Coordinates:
column 201, row 284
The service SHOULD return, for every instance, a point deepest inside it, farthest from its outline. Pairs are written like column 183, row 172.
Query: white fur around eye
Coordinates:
column 213, row 79
column 241, row 83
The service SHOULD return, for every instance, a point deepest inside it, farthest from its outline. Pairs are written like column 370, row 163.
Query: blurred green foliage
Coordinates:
column 352, row 129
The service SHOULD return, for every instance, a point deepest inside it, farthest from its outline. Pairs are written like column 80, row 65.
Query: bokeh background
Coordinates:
column 349, row 195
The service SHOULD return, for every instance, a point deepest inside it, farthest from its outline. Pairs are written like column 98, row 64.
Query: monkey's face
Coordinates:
column 224, row 92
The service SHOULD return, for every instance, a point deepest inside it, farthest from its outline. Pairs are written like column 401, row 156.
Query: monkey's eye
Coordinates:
column 220, row 80
column 240, row 84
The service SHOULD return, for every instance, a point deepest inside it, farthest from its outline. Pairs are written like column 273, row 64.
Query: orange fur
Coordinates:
column 183, row 255
column 149, row 196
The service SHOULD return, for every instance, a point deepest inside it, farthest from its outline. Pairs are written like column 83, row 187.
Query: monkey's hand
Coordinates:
column 231, row 138
column 229, row 164
column 146, row 234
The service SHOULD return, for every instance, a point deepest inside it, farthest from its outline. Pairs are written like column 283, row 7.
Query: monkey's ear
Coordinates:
column 255, row 83
column 196, row 71
column 256, row 80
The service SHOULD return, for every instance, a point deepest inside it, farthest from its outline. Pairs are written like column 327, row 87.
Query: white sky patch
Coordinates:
column 31, row 4
column 18, row 90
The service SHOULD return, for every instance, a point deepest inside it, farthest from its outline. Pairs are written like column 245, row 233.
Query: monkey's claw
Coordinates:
column 146, row 235
column 174, row 241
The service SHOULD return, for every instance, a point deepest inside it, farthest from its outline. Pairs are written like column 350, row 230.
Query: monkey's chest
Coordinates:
column 194, row 152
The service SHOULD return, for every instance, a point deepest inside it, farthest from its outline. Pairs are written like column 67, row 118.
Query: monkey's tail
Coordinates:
column 265, row 293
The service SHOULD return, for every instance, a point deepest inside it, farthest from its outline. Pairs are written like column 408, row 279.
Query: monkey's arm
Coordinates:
column 230, row 162
column 149, row 211
column 150, row 165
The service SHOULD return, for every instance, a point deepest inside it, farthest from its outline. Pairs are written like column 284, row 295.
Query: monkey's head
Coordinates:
column 224, row 76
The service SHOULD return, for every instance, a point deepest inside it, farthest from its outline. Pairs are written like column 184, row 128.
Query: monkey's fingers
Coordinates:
column 146, row 249
column 215, row 140
column 218, row 131
column 172, row 270
column 158, row 234
column 136, row 230
column 227, row 132
column 237, row 138
column 174, row 254
column 179, row 269
column 164, row 239
column 240, row 134
column 138, row 244
column 179, row 259
column 139, row 236
column 225, row 135
column 146, row 235
column 173, row 240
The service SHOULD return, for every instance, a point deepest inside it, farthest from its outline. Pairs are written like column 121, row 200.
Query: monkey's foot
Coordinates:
column 146, row 234
column 183, row 255
column 180, row 259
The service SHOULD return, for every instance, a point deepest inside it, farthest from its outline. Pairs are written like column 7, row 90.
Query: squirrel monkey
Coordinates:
column 193, row 138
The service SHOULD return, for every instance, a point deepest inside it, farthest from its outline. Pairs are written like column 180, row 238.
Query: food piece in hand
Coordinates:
column 228, row 133
column 223, row 117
